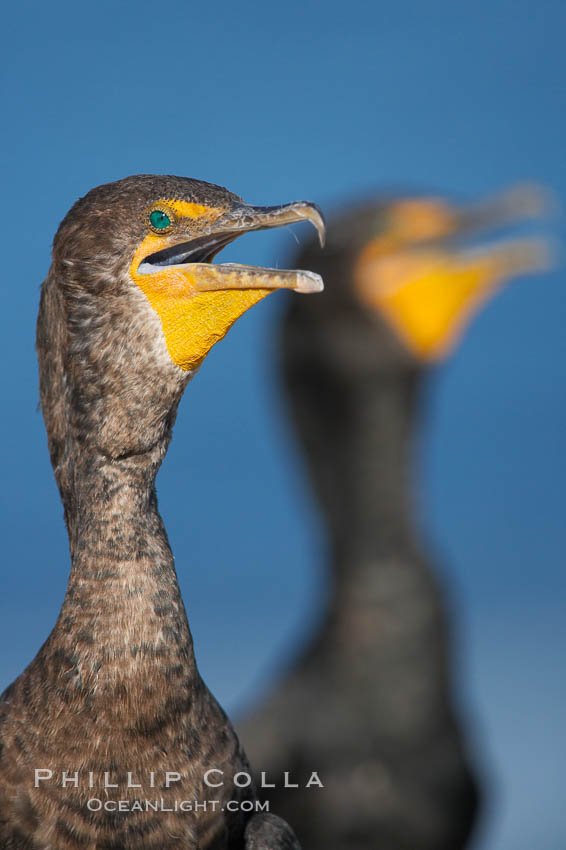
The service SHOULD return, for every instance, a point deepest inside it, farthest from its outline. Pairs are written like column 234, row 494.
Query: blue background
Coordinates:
column 321, row 101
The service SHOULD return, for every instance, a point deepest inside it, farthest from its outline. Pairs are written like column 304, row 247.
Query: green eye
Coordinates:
column 159, row 220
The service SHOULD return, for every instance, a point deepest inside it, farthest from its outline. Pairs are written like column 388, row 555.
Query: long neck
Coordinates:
column 123, row 592
column 384, row 628
column 123, row 611
column 384, row 599
column 386, row 612
column 122, row 627
column 373, row 516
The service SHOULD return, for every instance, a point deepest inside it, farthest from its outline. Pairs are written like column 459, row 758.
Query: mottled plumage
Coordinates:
column 115, row 688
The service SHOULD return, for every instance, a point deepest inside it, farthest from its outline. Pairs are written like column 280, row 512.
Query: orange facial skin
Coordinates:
column 427, row 289
column 198, row 302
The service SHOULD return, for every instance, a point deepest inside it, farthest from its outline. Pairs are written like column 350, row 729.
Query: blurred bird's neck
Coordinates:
column 372, row 518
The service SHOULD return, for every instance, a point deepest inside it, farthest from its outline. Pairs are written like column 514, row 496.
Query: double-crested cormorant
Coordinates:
column 112, row 714
column 369, row 704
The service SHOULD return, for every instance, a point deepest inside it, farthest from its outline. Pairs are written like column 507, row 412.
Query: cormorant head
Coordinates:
column 405, row 275
column 159, row 235
column 133, row 303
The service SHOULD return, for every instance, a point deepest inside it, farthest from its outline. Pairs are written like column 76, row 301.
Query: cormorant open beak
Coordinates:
column 429, row 287
column 524, row 201
column 196, row 255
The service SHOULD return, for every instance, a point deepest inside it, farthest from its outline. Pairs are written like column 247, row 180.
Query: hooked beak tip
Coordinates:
column 313, row 214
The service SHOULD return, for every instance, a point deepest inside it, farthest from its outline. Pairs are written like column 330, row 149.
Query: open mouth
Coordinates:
column 200, row 250
column 198, row 253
